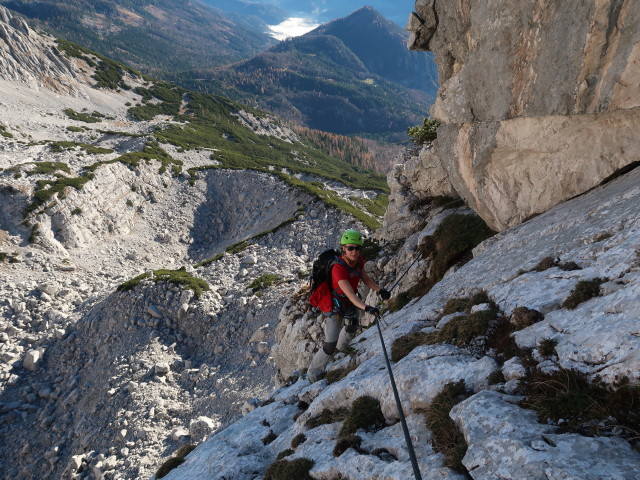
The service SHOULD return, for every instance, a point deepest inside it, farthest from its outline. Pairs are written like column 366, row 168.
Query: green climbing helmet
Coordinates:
column 352, row 237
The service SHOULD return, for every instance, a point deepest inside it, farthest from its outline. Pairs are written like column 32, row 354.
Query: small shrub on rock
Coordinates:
column 298, row 440
column 404, row 345
column 547, row 347
column 270, row 437
column 345, row 443
column 284, row 453
column 327, row 416
column 365, row 414
column 583, row 291
column 174, row 461
column 464, row 304
column 447, row 438
column 496, row 377
column 289, row 469
column 523, row 317
column 585, row 405
column 338, row 374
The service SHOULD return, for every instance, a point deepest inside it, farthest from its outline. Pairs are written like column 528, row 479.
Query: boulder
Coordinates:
column 535, row 107
column 201, row 427
column 32, row 359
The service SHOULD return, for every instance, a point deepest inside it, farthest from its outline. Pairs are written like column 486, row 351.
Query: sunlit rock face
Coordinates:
column 539, row 101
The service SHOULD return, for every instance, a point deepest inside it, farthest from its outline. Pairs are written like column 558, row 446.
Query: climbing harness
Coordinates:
column 405, row 429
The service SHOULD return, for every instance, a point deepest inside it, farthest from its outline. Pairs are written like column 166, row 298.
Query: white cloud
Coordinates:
column 292, row 27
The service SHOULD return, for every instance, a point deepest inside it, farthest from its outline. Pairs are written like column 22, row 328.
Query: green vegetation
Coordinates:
column 174, row 461
column 94, row 117
column 427, row 132
column 169, row 96
column 298, row 440
column 289, row 469
column 328, row 416
column 270, row 437
column 547, row 346
column 150, row 151
column 4, row 133
column 9, row 257
column 265, row 281
column 76, row 211
column 45, row 189
column 62, row 146
column 451, row 244
column 347, row 442
column 177, row 277
column 284, row 453
column 550, row 262
column 74, row 129
column 523, row 317
column 465, row 304
column 446, row 437
column 585, row 405
column 460, row 330
column 338, row 374
column 48, row 168
column 583, row 291
column 365, row 414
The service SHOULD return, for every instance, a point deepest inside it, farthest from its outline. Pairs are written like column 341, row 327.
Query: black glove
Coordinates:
column 384, row 294
column 372, row 310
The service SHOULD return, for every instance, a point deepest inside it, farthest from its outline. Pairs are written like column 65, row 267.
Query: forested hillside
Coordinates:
column 328, row 83
column 156, row 37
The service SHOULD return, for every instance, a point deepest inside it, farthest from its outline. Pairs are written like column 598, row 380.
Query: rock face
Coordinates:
column 22, row 61
column 539, row 101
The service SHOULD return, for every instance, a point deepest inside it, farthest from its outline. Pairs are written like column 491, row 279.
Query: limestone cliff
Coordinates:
column 539, row 101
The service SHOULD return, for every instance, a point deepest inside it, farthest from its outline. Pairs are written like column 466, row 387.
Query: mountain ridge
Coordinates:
column 318, row 81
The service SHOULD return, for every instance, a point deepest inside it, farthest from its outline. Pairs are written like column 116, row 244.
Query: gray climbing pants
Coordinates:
column 339, row 330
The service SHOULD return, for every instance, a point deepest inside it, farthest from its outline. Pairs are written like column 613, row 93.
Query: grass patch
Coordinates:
column 450, row 245
column 327, row 416
column 177, row 277
column 447, row 438
column 583, row 404
column 49, row 168
column 289, row 469
column 265, row 281
column 4, row 133
column 150, row 151
column 284, row 453
column 174, row 461
column 345, row 443
column 9, row 257
column 338, row 374
column 496, row 377
column 270, row 437
column 365, row 414
column 75, row 129
column 45, row 189
column 452, row 242
column 62, row 146
column 583, row 291
column 523, row 317
column 298, row 440
column 94, row 117
column 209, row 261
column 550, row 262
column 460, row 331
column 76, row 211
column 465, row 304
column 547, row 347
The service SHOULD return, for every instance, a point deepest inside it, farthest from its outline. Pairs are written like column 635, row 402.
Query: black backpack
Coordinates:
column 321, row 277
column 321, row 271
